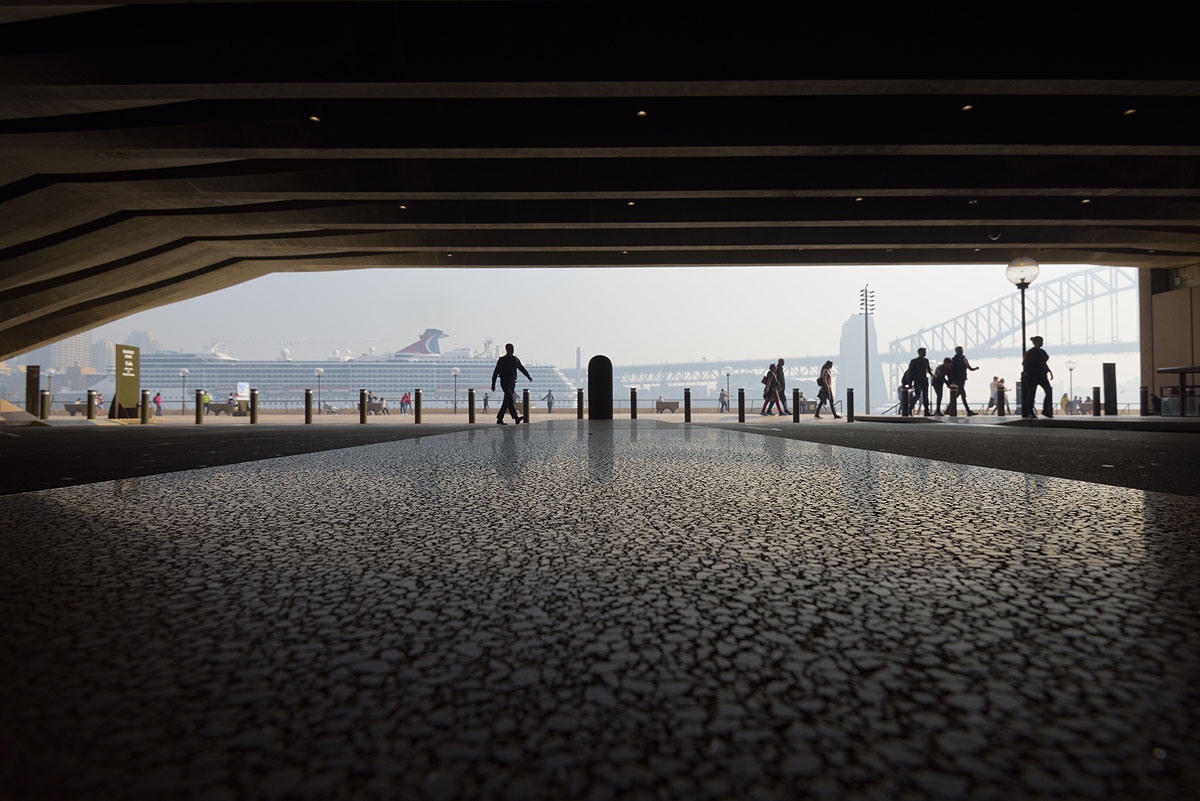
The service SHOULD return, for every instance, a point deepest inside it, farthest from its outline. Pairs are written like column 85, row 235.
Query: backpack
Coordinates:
column 766, row 379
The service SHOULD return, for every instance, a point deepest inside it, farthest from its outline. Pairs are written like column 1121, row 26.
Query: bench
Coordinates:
column 666, row 406
column 75, row 408
column 229, row 408
column 375, row 408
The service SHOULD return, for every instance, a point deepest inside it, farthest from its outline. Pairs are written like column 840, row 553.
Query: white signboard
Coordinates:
column 243, row 391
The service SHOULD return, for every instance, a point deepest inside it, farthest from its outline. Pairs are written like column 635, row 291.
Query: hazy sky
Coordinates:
column 631, row 315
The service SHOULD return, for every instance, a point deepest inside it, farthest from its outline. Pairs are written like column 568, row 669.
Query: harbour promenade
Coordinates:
column 631, row 609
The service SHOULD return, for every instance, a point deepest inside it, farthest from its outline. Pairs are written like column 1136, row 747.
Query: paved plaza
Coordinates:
column 631, row 610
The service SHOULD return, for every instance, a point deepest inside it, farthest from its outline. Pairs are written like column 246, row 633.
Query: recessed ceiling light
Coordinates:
column 624, row 252
column 1086, row 200
column 630, row 203
column 1129, row 112
column 968, row 108
column 858, row 200
column 314, row 118
column 403, row 206
column 449, row 255
column 976, row 250
column 972, row 202
column 641, row 114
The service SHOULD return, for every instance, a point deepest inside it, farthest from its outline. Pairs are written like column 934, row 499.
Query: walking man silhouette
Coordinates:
column 958, row 372
column 506, row 369
column 1036, row 366
column 918, row 373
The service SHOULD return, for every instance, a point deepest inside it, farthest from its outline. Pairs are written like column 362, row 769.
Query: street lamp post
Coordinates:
column 320, row 371
column 867, row 299
column 183, row 374
column 50, row 383
column 1022, row 272
column 454, row 372
column 1071, row 365
column 728, row 370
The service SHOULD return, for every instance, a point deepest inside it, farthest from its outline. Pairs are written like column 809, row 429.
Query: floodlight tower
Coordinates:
column 866, row 298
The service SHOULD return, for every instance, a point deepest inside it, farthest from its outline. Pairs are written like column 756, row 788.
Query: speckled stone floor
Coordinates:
column 635, row 610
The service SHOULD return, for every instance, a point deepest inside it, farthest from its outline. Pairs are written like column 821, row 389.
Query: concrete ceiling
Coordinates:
column 154, row 151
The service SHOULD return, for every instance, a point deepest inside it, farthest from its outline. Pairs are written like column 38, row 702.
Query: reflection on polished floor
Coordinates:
column 574, row 610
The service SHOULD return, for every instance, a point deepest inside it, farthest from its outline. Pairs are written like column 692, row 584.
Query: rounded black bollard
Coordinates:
column 145, row 406
column 599, row 388
column 1096, row 402
column 687, row 405
column 525, row 404
column 362, row 407
column 471, row 406
column 1000, row 401
column 308, row 406
column 44, row 405
column 579, row 403
column 416, row 405
column 1109, row 371
column 633, row 403
column 91, row 404
column 741, row 405
column 199, row 406
column 253, row 406
column 795, row 406
column 849, row 404
column 1144, row 401
column 953, row 410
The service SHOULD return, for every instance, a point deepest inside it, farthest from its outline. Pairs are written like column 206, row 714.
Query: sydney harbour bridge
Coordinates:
column 1080, row 311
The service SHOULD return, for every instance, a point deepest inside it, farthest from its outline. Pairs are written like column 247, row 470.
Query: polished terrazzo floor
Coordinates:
column 634, row 610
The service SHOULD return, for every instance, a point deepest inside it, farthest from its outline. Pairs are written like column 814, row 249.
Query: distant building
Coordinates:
column 71, row 352
column 143, row 341
column 102, row 355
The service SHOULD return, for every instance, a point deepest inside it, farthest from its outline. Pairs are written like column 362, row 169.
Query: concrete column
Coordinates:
column 308, row 406
column 471, row 406
column 145, row 406
column 687, row 405
column 44, row 404
column 416, row 406
column 91, row 404
column 741, row 405
column 199, row 407
column 253, row 406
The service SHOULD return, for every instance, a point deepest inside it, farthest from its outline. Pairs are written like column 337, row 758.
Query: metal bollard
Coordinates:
column 1144, row 401
column 687, row 405
column 633, row 403
column 253, row 406
column 1095, row 401
column 44, row 405
column 1110, row 387
column 849, row 404
column 953, row 410
column 145, row 406
column 741, row 405
column 416, row 406
column 579, row 403
column 1000, row 401
column 199, row 406
column 362, row 406
column 91, row 404
column 308, row 406
column 471, row 406
column 795, row 406
column 525, row 405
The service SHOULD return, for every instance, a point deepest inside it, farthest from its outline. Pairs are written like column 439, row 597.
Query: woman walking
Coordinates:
column 771, row 391
column 825, row 382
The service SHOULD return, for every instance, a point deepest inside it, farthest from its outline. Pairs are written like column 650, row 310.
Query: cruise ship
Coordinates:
column 281, row 382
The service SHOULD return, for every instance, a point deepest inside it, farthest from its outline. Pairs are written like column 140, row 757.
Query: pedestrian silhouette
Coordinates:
column 506, row 370
column 958, row 375
column 1036, row 366
column 918, row 374
column 825, row 390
